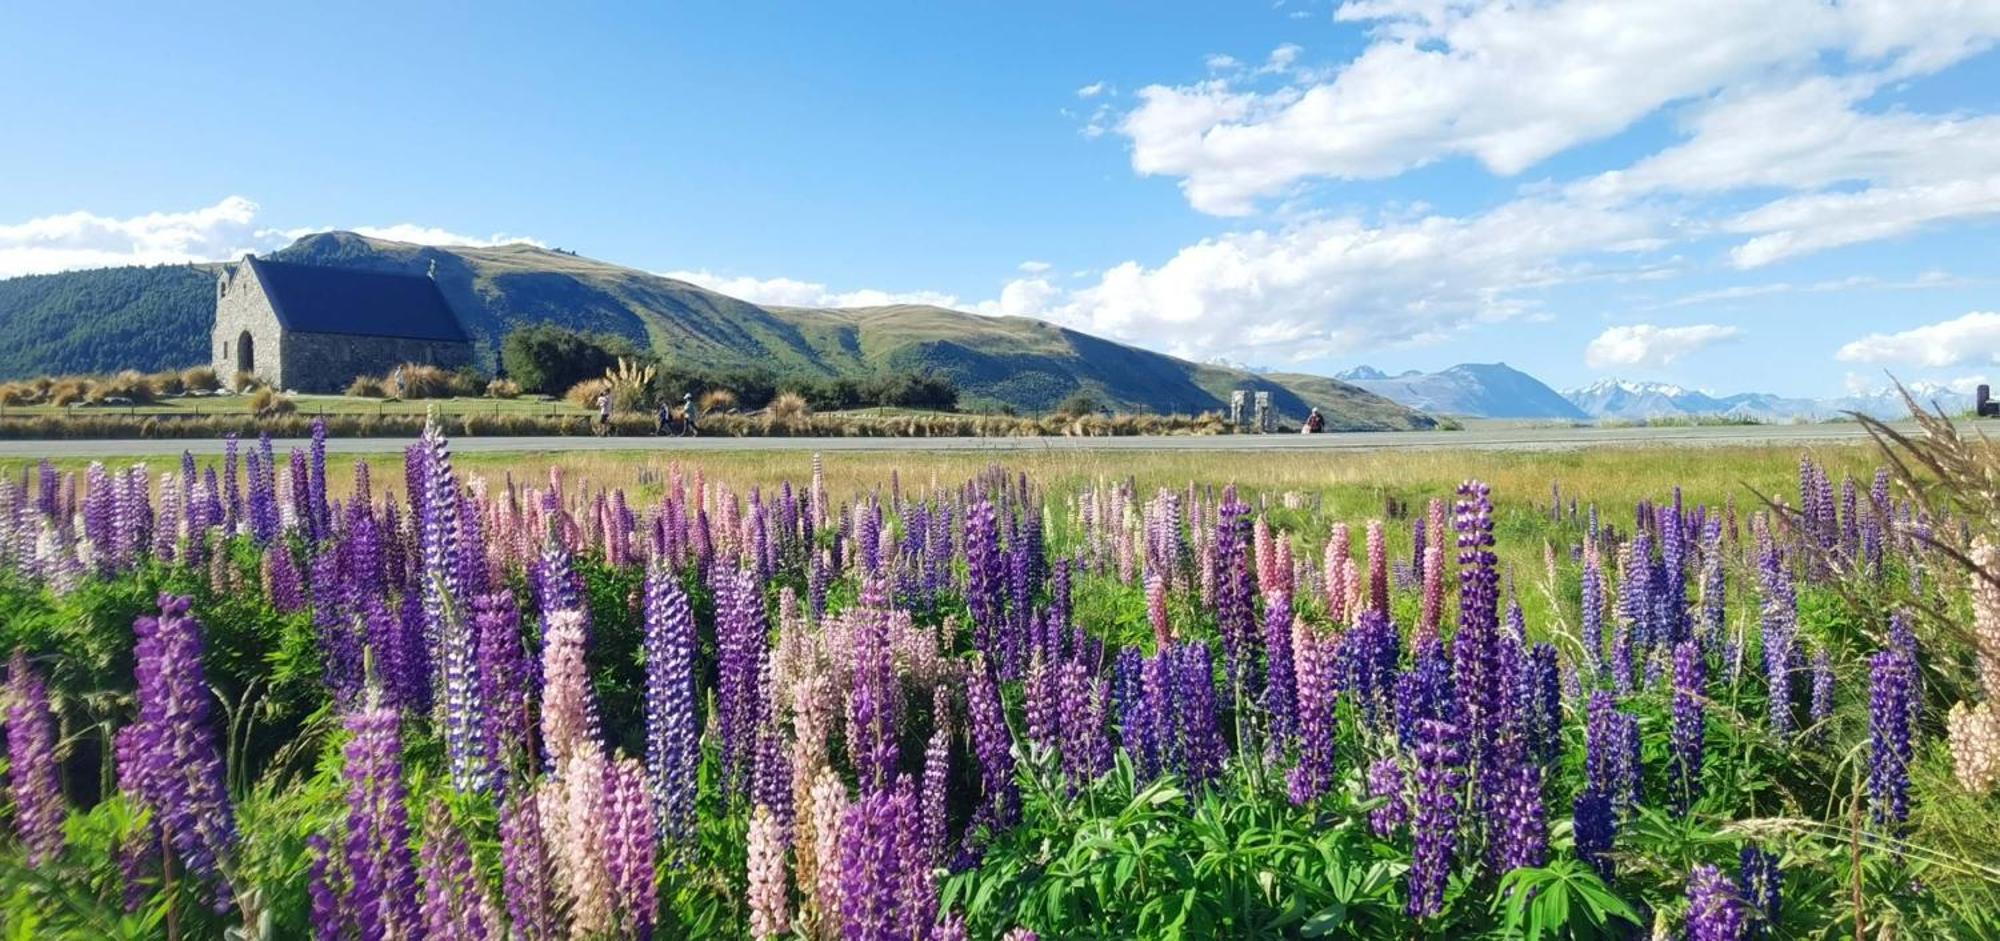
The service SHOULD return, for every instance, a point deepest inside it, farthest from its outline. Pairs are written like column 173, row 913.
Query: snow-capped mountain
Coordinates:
column 1476, row 390
column 1624, row 399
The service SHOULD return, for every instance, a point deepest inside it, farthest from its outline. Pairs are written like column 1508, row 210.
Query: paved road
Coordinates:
column 1501, row 438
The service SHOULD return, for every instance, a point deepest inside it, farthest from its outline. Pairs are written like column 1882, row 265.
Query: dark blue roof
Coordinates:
column 322, row 299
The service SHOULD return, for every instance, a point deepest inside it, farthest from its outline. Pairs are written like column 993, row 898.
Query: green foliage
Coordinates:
column 548, row 359
column 1564, row 899
column 106, row 320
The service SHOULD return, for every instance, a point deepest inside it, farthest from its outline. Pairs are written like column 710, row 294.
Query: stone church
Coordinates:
column 312, row 328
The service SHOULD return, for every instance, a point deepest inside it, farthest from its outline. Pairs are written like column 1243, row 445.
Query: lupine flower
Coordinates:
column 1378, row 568
column 1759, row 883
column 770, row 916
column 569, row 712
column 525, row 865
column 377, row 852
column 1715, row 912
column 1822, row 692
column 1892, row 684
column 1780, row 627
column 741, row 634
column 33, row 775
column 875, row 705
column 1594, row 825
column 1425, row 691
column 170, row 759
column 1234, row 616
column 1385, row 780
column 326, row 886
column 673, row 745
column 885, row 889
column 937, row 776
column 1593, row 608
column 1280, row 699
column 455, row 905
column 1198, row 746
column 630, row 843
column 1974, row 734
column 1439, row 759
column 993, row 743
column 1318, row 699
column 1689, row 729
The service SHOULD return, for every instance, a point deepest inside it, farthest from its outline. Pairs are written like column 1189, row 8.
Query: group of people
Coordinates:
column 663, row 422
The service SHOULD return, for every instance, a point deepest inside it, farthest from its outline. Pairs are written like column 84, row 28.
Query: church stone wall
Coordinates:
column 241, row 305
column 328, row 362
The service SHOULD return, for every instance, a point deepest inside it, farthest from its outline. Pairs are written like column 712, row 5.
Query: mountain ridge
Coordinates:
column 1474, row 390
column 997, row 362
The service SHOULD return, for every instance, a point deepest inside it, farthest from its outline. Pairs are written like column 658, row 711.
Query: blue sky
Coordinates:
column 1769, row 195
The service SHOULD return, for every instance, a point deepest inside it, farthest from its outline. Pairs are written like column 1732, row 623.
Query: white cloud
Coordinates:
column 791, row 292
column 1799, row 225
column 1973, row 338
column 1337, row 285
column 1857, row 282
column 1217, row 62
column 423, row 235
column 1033, row 267
column 1093, row 90
column 1645, row 345
column 228, row 229
column 87, row 240
column 1512, row 84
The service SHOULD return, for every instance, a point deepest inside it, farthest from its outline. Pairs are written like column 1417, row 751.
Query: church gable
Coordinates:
column 314, row 329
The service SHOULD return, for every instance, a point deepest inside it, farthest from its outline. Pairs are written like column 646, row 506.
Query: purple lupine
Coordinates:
column 1891, row 688
column 1594, row 825
column 630, row 847
column 1519, row 822
column 1689, row 722
column 526, row 873
column 1715, row 912
column 1199, row 748
column 1280, row 699
column 673, row 743
column 1138, row 728
column 1385, row 781
column 503, row 673
column 993, row 743
column 1439, row 760
column 1319, row 680
column 1611, row 751
column 741, row 633
column 874, row 706
column 34, row 779
column 1760, row 883
column 1477, row 661
column 232, row 496
column 175, row 761
column 937, row 778
column 1822, row 692
column 384, row 896
column 1086, row 749
column 318, row 521
column 1541, row 689
column 985, row 579
column 454, row 903
column 1368, row 657
column 1234, row 614
column 1425, row 691
column 327, row 887
column 1780, row 622
column 447, row 629
column 885, row 889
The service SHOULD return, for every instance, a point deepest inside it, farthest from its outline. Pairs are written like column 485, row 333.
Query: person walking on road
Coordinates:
column 604, row 413
column 687, row 415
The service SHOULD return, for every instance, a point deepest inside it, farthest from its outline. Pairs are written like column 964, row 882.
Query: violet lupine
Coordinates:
column 1594, row 825
column 1780, row 622
column 1138, row 728
column 447, row 629
column 1280, row 699
column 1235, row 617
column 937, row 777
column 455, row 907
column 1477, row 655
column 1891, row 689
column 526, row 869
column 1368, row 657
column 1425, row 691
column 1198, row 746
column 1541, row 687
column 630, row 847
column 1385, row 781
column 327, row 889
column 886, row 890
column 1611, row 746
column 1760, row 883
column 993, row 743
column 384, row 892
column 1715, row 911
column 1086, row 749
column 1689, row 722
column 1821, row 709
column 1593, row 609
column 741, row 634
column 1318, row 677
column 874, row 705
column 33, row 776
column 1439, row 759
column 503, row 672
column 170, row 759
column 673, row 744
column 985, row 579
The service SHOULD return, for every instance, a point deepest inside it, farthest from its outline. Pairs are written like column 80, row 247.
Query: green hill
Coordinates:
column 79, row 322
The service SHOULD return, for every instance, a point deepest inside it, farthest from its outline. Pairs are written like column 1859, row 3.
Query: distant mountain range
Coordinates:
column 1622, row 399
column 158, row 318
column 1474, row 390
column 1496, row 390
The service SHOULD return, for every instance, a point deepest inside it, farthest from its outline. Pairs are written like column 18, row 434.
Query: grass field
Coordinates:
column 196, row 406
